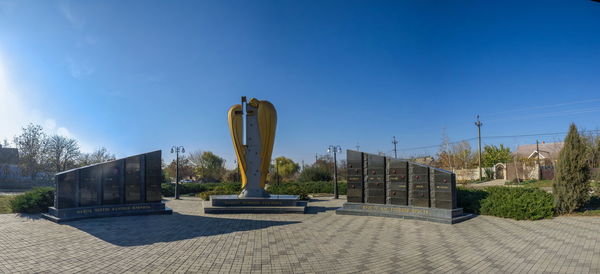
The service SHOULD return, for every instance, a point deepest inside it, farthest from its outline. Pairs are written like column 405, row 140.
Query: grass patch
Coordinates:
column 591, row 208
column 532, row 183
column 5, row 204
column 540, row 183
column 469, row 182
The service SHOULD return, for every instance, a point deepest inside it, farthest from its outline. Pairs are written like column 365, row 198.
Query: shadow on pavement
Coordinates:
column 319, row 209
column 145, row 230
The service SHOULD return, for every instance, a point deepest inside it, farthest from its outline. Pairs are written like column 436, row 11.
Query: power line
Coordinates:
column 548, row 106
column 494, row 137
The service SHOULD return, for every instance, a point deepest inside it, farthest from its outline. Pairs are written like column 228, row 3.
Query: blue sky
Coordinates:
column 136, row 76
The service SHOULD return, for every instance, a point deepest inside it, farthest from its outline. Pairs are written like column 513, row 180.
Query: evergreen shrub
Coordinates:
column 34, row 201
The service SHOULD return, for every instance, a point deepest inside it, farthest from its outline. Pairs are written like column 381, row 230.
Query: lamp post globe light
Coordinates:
column 177, row 150
column 335, row 149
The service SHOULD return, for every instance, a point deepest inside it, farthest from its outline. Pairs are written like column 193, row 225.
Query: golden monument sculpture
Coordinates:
column 252, row 126
column 253, row 155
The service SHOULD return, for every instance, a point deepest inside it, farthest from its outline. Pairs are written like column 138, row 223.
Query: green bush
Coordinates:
column 315, row 174
column 224, row 189
column 517, row 203
column 299, row 188
column 289, row 189
column 168, row 190
column 34, row 201
column 470, row 199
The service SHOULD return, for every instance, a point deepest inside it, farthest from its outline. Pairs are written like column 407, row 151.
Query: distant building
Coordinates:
column 9, row 156
column 548, row 151
column 425, row 160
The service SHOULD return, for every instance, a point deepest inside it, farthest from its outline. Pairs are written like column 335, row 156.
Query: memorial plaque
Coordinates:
column 355, row 176
column 133, row 180
column 66, row 190
column 129, row 186
column 89, row 185
column 397, row 182
column 418, row 185
column 443, row 189
column 153, row 177
column 111, row 182
column 374, row 179
column 401, row 189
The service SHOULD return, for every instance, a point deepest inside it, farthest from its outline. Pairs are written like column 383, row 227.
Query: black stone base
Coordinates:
column 446, row 216
column 222, row 204
column 69, row 214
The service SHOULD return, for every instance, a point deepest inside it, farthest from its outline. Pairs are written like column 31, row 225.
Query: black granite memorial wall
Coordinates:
column 443, row 188
column 397, row 182
column 99, row 190
column 355, row 176
column 401, row 189
column 418, row 185
column 375, row 179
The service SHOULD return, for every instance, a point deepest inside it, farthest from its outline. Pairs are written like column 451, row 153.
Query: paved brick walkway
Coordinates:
column 189, row 241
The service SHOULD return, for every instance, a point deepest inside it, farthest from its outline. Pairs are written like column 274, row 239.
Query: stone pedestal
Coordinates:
column 447, row 216
column 70, row 214
column 219, row 204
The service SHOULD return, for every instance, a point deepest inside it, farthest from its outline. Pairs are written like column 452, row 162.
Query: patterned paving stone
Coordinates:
column 318, row 242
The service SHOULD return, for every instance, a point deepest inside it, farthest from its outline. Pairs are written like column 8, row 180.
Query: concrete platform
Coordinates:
column 438, row 215
column 71, row 214
column 224, row 204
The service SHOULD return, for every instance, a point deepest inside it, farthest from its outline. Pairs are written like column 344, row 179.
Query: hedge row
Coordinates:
column 518, row 203
column 297, row 188
column 168, row 190
column 300, row 188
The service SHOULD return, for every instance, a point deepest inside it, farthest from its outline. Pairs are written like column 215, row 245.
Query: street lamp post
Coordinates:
column 176, row 150
column 479, row 124
column 335, row 150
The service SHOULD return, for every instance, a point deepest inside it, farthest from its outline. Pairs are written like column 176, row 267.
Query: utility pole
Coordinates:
column 316, row 157
column 479, row 124
column 176, row 150
column 357, row 147
column 395, row 143
column 537, row 149
column 335, row 150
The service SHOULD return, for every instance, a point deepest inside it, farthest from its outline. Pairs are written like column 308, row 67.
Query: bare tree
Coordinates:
column 61, row 152
column 462, row 154
column 101, row 155
column 445, row 155
column 32, row 146
column 592, row 142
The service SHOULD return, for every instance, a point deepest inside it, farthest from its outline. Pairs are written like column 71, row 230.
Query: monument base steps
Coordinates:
column 224, row 204
column 439, row 215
